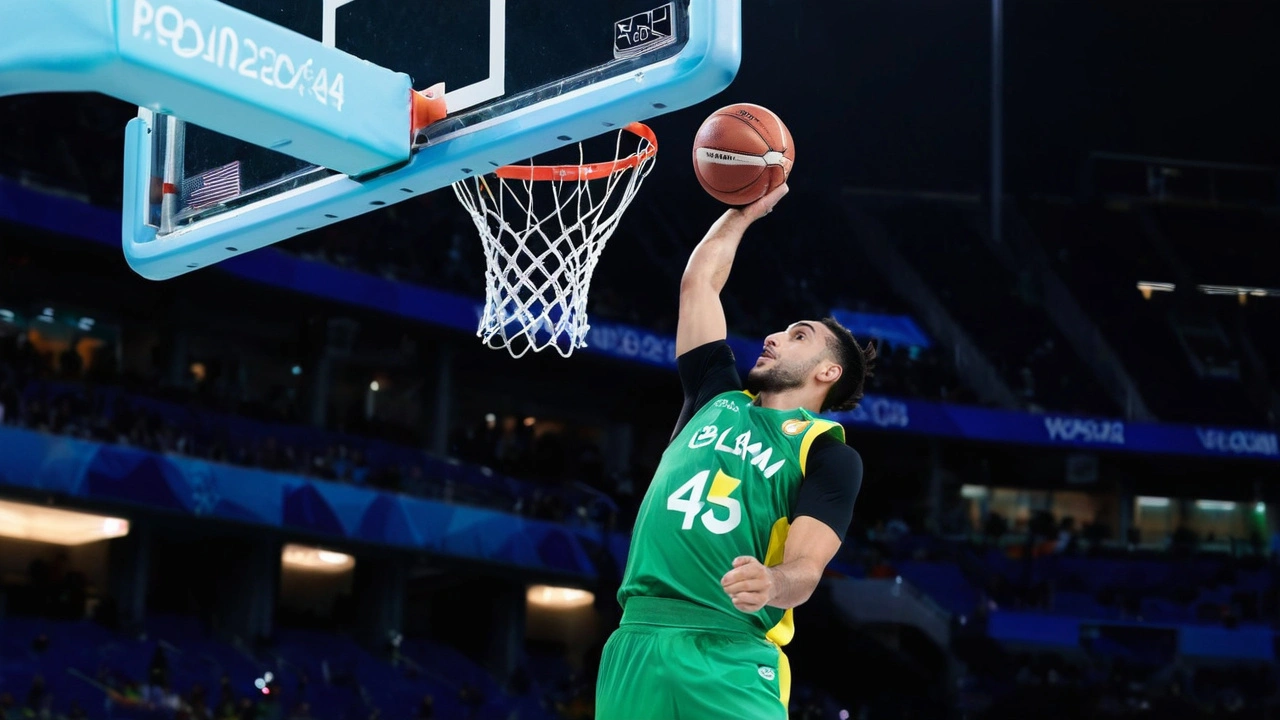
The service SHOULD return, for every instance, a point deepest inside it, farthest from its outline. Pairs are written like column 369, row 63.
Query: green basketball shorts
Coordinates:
column 674, row 660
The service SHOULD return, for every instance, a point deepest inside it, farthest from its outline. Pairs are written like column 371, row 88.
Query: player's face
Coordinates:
column 789, row 358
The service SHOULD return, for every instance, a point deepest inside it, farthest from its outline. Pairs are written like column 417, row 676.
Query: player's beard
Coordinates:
column 781, row 376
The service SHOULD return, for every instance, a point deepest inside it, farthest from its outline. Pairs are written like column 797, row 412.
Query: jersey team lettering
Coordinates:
column 221, row 47
column 742, row 447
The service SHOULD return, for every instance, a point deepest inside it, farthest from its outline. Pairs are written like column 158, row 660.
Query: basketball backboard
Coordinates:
column 522, row 77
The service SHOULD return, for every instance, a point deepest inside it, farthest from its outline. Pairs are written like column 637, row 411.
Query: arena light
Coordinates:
column 1237, row 290
column 1147, row 287
column 1153, row 502
column 1216, row 505
column 973, row 492
column 21, row 521
column 558, row 598
column 302, row 557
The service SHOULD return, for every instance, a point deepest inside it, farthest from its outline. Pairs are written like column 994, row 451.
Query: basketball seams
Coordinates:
column 754, row 180
column 772, row 136
column 760, row 131
column 755, row 130
column 697, row 170
column 783, row 145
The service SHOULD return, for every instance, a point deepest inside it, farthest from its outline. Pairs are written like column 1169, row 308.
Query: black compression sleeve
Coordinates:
column 832, row 479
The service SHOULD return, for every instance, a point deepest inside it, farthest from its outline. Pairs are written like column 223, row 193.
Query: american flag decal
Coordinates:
column 211, row 186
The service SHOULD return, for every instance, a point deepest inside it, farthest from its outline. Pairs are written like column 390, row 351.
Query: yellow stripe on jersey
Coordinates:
column 784, row 678
column 818, row 428
column 785, row 630
column 777, row 542
column 781, row 633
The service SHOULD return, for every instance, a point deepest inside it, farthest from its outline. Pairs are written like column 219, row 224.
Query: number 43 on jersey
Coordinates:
column 688, row 499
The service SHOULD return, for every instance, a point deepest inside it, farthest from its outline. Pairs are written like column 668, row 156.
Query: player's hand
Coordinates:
column 764, row 205
column 749, row 584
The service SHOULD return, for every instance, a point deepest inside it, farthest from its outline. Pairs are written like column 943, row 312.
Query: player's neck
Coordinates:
column 790, row 400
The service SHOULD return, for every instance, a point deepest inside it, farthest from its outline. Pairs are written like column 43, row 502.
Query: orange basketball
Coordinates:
column 742, row 152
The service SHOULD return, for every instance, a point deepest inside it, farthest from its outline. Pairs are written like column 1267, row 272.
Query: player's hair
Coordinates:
column 857, row 363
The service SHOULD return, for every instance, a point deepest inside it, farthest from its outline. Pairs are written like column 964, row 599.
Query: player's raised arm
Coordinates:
column 701, row 314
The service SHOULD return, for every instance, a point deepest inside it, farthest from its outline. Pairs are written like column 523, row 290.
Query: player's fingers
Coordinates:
column 742, row 570
column 748, row 602
column 741, row 574
column 743, row 560
column 775, row 194
column 747, row 585
column 764, row 205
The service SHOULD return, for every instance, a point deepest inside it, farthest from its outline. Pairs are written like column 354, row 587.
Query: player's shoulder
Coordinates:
column 832, row 447
column 833, row 464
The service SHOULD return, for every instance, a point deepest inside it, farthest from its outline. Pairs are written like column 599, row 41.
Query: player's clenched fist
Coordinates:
column 749, row 584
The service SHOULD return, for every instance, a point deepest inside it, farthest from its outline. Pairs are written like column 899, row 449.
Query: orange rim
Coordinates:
column 574, row 173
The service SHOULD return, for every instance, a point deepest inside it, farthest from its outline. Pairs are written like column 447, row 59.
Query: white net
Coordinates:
column 543, row 229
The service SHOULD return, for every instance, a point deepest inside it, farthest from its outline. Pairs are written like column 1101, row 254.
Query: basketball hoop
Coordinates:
column 538, row 262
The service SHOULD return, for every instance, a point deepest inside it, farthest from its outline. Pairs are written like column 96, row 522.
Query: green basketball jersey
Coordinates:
column 725, row 488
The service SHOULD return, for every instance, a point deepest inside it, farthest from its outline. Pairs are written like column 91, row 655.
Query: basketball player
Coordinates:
column 749, row 504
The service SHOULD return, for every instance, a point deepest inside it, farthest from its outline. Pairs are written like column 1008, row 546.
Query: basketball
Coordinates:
column 742, row 152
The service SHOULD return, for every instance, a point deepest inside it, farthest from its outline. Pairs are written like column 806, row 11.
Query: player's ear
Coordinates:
column 830, row 372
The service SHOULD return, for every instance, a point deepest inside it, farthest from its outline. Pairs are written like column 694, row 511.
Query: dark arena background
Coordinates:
column 292, row 486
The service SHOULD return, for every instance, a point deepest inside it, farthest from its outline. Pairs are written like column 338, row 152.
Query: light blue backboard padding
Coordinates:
column 215, row 66
column 706, row 65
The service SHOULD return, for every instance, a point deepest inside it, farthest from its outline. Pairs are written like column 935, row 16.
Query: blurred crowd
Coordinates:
column 1051, row 686
column 35, row 395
